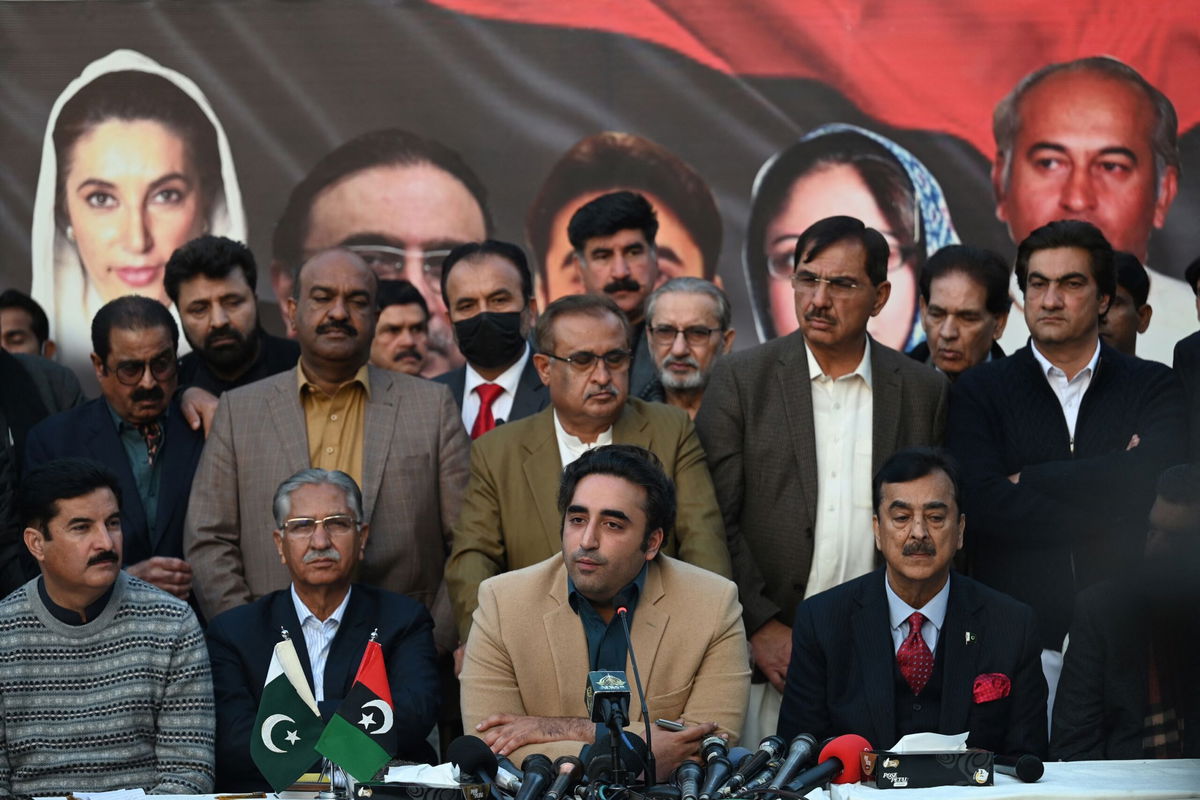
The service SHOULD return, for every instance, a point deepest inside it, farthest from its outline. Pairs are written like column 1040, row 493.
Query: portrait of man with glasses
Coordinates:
column 510, row 516
column 136, row 429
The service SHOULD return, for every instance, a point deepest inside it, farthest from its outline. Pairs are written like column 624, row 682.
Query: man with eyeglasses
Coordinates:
column 321, row 538
column 509, row 517
column 137, row 430
column 794, row 429
column 689, row 324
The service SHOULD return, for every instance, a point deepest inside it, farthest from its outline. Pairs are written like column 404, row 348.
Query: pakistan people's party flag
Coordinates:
column 288, row 725
column 361, row 737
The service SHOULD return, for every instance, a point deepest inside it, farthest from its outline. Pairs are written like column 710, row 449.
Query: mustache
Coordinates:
column 100, row 558
column 223, row 332
column 329, row 552
column 924, row 547
column 817, row 313
column 142, row 394
column 591, row 555
column 686, row 361
column 606, row 389
column 622, row 285
column 337, row 325
column 410, row 352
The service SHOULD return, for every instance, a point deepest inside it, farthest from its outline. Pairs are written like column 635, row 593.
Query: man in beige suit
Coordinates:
column 538, row 631
column 399, row 437
column 509, row 518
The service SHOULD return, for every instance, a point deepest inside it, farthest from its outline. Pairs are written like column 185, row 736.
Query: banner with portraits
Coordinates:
column 129, row 128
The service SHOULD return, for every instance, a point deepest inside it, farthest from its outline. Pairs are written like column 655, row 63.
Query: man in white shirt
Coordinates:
column 488, row 291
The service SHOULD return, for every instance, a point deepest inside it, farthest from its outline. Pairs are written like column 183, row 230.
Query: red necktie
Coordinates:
column 914, row 658
column 152, row 432
column 484, row 422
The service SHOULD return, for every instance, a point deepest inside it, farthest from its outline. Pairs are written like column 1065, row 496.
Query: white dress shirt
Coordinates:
column 843, row 544
column 572, row 447
column 934, row 611
column 507, row 380
column 318, row 636
column 1068, row 391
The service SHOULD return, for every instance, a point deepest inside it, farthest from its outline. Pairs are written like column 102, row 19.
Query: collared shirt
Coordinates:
column 503, row 404
column 572, row 447
column 843, row 408
column 607, row 649
column 934, row 611
column 336, row 423
column 1068, row 391
column 69, row 616
column 318, row 636
column 146, row 476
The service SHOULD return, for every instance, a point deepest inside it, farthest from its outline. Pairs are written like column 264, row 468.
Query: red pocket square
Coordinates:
column 991, row 686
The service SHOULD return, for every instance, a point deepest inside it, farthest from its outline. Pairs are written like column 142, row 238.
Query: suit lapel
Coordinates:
column 959, row 657
column 283, row 618
column 381, row 418
column 288, row 417
column 633, row 428
column 873, row 649
column 531, row 393
column 179, row 456
column 346, row 650
column 651, row 624
column 796, row 401
column 542, row 466
column 565, row 641
column 885, row 402
column 457, row 381
column 105, row 446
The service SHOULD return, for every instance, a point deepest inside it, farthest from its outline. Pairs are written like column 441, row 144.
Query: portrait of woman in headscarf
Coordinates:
column 844, row 169
column 134, row 164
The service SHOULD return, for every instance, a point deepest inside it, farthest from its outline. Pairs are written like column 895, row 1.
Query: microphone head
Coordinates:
column 537, row 764
column 773, row 744
column 1028, row 768
column 712, row 746
column 568, row 765
column 846, row 749
column 472, row 756
column 688, row 770
column 633, row 753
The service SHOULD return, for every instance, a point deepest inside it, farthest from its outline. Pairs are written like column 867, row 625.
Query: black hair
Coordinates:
column 12, row 298
column 1071, row 233
column 1132, row 277
column 635, row 464
column 827, row 232
column 213, row 257
column 388, row 147
column 982, row 266
column 400, row 293
column 131, row 312
column 608, row 161
column 1192, row 276
column 1180, row 485
column 473, row 251
column 591, row 305
column 612, row 213
column 61, row 479
column 912, row 464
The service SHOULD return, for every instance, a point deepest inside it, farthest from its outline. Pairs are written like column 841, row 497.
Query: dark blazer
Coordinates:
column 531, row 397
column 841, row 678
column 756, row 425
column 1078, row 514
column 240, row 643
column 88, row 431
column 1187, row 367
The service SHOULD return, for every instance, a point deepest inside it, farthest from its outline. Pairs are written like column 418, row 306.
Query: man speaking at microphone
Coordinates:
column 539, row 631
column 915, row 647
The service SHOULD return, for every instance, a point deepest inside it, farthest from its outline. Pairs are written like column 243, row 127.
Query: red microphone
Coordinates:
column 839, row 762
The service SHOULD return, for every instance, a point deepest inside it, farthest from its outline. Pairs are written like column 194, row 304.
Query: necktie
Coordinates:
column 914, row 658
column 484, row 422
column 152, row 432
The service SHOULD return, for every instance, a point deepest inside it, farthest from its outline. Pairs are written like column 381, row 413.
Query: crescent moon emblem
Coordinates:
column 269, row 725
column 386, row 725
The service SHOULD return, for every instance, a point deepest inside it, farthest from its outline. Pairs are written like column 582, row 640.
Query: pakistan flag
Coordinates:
column 288, row 723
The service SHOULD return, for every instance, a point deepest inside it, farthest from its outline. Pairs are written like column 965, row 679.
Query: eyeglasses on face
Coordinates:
column 585, row 361
column 809, row 283
column 334, row 525
column 130, row 373
column 694, row 334
column 781, row 264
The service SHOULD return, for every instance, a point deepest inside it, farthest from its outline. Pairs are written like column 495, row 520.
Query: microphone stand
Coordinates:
column 651, row 768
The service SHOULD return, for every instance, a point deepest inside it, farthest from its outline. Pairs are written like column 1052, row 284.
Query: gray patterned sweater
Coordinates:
column 120, row 702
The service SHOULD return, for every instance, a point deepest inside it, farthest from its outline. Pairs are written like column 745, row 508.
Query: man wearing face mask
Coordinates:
column 488, row 291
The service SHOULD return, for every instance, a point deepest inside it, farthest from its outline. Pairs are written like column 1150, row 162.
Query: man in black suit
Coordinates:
column 137, row 430
column 1129, row 687
column 1187, row 366
column 320, row 538
column 915, row 647
column 488, row 291
column 1060, row 443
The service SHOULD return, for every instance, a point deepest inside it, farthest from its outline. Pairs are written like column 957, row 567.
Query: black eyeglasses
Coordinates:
column 584, row 361
column 693, row 334
column 161, row 368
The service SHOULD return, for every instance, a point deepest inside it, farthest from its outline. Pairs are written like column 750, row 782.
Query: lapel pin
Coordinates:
column 968, row 637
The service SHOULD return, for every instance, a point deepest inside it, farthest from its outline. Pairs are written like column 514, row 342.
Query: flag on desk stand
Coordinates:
column 361, row 737
column 288, row 725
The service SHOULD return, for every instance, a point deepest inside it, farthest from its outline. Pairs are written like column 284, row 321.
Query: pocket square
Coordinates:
column 991, row 686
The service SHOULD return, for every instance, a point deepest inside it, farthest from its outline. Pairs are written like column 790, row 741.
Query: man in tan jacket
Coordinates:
column 538, row 631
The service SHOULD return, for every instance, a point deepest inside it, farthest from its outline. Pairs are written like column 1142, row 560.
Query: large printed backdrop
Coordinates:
column 512, row 85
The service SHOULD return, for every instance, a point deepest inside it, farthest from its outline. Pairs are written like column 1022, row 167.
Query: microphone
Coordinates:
column 632, row 752
column 719, row 769
column 569, row 770
column 739, row 756
column 651, row 767
column 768, row 749
column 713, row 746
column 473, row 757
column 687, row 778
column 839, row 763
column 799, row 753
column 760, row 781
column 1027, row 767
column 508, row 776
column 607, row 698
column 538, row 774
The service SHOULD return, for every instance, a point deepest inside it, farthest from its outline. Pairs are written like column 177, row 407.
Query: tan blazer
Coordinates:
column 510, row 515
column 527, row 653
column 414, row 474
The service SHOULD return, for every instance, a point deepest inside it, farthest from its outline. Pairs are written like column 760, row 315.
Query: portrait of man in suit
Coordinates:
column 914, row 646
column 488, row 291
column 320, row 537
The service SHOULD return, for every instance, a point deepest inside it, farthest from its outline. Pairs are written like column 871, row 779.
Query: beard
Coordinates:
column 228, row 355
column 688, row 382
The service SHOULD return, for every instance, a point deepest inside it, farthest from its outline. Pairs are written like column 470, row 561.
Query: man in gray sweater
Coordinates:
column 104, row 679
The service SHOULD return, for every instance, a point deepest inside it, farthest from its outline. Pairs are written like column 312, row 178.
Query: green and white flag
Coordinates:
column 288, row 724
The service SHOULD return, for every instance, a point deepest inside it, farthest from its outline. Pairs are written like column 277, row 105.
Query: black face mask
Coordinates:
column 490, row 339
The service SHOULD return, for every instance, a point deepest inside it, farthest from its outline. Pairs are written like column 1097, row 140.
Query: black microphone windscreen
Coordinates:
column 472, row 755
column 1027, row 767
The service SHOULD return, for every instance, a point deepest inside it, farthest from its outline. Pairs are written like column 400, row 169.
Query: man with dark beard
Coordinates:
column 138, row 432
column 211, row 280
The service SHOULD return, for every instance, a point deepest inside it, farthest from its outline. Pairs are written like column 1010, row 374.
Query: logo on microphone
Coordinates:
column 612, row 682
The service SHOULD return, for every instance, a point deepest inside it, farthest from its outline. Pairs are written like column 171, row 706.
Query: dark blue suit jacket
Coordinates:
column 240, row 643
column 531, row 397
column 87, row 431
column 841, row 678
